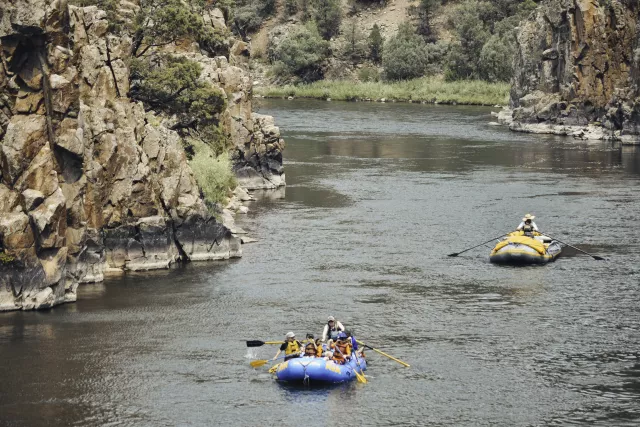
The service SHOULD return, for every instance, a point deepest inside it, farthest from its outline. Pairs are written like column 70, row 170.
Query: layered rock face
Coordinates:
column 89, row 182
column 576, row 70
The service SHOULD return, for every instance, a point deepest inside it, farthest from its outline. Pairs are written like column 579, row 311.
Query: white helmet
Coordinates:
column 290, row 335
column 331, row 319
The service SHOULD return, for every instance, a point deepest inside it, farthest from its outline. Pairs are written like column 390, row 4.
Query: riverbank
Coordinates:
column 431, row 90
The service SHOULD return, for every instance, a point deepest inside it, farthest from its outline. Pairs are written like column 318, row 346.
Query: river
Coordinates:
column 377, row 195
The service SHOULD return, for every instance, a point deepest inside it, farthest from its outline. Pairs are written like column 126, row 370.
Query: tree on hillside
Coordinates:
column 162, row 22
column 302, row 53
column 290, row 7
column 426, row 13
column 406, row 55
column 376, row 42
column 356, row 47
column 306, row 9
column 172, row 84
column 463, row 61
column 328, row 18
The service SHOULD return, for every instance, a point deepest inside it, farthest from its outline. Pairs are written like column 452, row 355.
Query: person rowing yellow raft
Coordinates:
column 526, row 245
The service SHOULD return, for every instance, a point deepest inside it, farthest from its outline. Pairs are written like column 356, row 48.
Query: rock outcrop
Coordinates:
column 90, row 183
column 576, row 70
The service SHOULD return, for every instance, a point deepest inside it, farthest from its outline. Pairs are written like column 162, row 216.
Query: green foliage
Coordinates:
column 328, row 18
column 161, row 22
column 213, row 173
column 6, row 258
column 214, row 41
column 249, row 15
column 355, row 48
column 302, row 52
column 426, row 89
column 290, row 7
column 427, row 10
column 376, row 43
column 405, row 55
column 368, row 74
column 463, row 61
column 496, row 59
column 172, row 85
column 306, row 9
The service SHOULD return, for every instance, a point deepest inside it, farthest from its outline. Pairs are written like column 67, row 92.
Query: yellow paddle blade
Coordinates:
column 258, row 363
column 273, row 369
column 361, row 378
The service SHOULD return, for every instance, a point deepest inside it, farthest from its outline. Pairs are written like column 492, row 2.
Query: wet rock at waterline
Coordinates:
column 90, row 183
column 576, row 70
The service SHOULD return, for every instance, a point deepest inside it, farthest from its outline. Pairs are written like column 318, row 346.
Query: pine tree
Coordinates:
column 328, row 18
column 376, row 42
column 426, row 12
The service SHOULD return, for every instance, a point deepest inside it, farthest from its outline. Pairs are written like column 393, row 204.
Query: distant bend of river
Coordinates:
column 377, row 195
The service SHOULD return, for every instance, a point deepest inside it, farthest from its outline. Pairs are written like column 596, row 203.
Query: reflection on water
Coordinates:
column 377, row 195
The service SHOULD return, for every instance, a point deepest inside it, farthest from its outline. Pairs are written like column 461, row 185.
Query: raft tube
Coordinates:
column 319, row 370
column 522, row 250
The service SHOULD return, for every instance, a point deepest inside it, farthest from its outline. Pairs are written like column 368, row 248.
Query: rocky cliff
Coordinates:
column 576, row 70
column 90, row 183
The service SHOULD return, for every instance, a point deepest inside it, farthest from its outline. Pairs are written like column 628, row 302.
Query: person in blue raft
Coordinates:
column 291, row 347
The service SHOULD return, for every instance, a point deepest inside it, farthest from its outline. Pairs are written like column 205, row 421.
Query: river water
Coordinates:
column 377, row 195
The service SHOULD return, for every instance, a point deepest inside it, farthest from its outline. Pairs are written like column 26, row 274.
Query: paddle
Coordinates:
column 384, row 354
column 599, row 258
column 458, row 253
column 258, row 343
column 359, row 377
column 262, row 362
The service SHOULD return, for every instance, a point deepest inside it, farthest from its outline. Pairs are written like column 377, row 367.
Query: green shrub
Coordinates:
column 368, row 74
column 214, row 41
column 405, row 55
column 302, row 52
column 496, row 59
column 161, row 22
column 6, row 258
column 328, row 18
column 463, row 61
column 172, row 85
column 249, row 15
column 290, row 7
column 355, row 48
column 213, row 173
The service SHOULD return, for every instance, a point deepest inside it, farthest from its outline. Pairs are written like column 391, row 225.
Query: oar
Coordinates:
column 599, row 258
column 384, row 354
column 262, row 362
column 258, row 343
column 458, row 253
column 359, row 377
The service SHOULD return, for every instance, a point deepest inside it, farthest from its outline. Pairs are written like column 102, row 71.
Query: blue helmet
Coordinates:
column 342, row 336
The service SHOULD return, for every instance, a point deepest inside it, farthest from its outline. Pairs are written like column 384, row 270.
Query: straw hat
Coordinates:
column 331, row 319
column 528, row 216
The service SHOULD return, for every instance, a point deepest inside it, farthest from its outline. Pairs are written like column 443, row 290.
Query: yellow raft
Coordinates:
column 518, row 248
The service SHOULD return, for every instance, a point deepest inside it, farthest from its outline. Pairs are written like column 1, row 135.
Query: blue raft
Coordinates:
column 319, row 370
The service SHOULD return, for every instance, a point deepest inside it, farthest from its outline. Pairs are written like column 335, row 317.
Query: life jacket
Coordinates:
column 333, row 332
column 319, row 351
column 293, row 347
column 342, row 352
